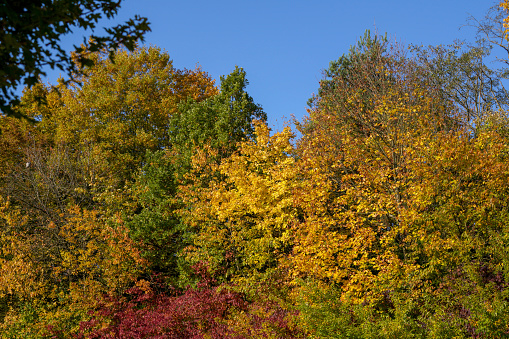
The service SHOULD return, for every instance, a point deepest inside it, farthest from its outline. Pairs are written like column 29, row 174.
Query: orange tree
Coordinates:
column 404, row 209
column 51, row 278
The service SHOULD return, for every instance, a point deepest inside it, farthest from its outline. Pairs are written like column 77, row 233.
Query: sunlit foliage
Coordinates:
column 147, row 202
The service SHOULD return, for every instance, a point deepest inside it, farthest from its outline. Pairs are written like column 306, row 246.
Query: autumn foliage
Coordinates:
column 147, row 202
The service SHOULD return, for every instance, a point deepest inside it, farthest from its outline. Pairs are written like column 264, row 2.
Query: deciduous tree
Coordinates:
column 244, row 216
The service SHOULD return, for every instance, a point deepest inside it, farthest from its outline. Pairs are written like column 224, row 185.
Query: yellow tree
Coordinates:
column 244, row 215
column 119, row 110
column 404, row 210
column 355, row 154
column 355, row 159
column 456, row 218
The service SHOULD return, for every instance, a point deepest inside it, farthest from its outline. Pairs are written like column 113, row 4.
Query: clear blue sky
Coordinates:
column 284, row 45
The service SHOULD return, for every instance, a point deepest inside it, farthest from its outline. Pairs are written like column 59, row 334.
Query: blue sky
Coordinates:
column 284, row 45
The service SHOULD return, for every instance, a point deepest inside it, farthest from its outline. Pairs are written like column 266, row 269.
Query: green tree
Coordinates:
column 221, row 121
column 30, row 40
column 217, row 123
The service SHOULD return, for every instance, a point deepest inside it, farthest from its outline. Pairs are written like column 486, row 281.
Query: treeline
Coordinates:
column 149, row 202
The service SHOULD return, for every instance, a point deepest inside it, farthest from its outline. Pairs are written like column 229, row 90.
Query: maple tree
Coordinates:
column 207, row 310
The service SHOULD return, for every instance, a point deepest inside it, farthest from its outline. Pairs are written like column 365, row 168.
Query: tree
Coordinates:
column 492, row 29
column 462, row 75
column 60, row 176
column 53, row 276
column 404, row 210
column 244, row 216
column 119, row 110
column 217, row 123
column 221, row 121
column 30, row 34
column 207, row 310
column 462, row 71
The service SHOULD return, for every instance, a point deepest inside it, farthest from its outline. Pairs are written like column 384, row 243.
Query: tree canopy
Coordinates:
column 149, row 202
